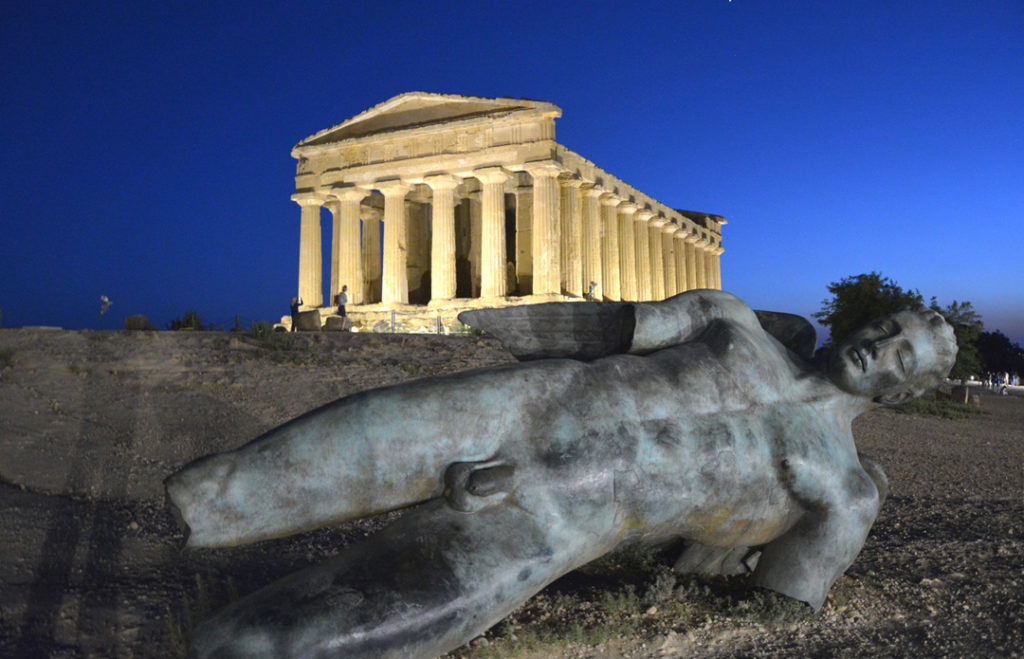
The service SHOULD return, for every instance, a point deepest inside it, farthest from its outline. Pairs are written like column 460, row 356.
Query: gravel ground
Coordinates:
column 90, row 565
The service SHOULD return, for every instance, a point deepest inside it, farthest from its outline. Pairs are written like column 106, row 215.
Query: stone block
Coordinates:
column 309, row 321
column 337, row 324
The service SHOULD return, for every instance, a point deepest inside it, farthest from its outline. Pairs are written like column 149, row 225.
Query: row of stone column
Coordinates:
column 573, row 238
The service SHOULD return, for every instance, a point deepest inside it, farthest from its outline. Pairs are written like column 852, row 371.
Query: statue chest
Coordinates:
column 716, row 478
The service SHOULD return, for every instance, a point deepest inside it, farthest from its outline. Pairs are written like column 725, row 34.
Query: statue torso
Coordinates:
column 690, row 438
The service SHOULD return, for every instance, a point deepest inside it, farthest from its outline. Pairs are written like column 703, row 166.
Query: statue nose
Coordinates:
column 881, row 344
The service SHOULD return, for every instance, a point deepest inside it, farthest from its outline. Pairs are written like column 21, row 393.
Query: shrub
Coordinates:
column 262, row 330
column 191, row 321
column 939, row 407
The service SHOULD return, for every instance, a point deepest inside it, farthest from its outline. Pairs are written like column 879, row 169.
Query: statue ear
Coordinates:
column 897, row 398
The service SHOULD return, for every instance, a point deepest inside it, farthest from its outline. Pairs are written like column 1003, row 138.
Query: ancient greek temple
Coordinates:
column 447, row 202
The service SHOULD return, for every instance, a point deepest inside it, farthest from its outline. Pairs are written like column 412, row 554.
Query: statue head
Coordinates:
column 895, row 358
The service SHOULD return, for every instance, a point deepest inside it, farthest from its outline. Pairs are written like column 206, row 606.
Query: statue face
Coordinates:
column 887, row 356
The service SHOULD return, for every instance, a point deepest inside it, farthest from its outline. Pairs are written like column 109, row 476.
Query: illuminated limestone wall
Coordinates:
column 441, row 200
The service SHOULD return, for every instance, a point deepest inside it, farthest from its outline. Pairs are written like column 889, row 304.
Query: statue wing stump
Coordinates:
column 575, row 330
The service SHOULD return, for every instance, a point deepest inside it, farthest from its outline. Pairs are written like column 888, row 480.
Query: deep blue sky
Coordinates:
column 146, row 144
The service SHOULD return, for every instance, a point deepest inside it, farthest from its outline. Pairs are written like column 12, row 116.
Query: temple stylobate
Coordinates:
column 445, row 202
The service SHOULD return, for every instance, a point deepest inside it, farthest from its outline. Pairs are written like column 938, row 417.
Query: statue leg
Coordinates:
column 361, row 455
column 427, row 584
column 805, row 561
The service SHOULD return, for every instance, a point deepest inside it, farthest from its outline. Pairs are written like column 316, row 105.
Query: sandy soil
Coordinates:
column 90, row 565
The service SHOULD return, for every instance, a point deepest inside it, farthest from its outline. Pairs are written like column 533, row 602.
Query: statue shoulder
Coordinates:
column 793, row 331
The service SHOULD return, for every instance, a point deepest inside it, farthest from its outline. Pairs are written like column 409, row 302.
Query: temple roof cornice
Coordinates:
column 414, row 110
column 590, row 172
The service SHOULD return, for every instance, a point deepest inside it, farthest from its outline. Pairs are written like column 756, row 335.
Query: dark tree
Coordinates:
column 191, row 321
column 968, row 327
column 999, row 354
column 856, row 301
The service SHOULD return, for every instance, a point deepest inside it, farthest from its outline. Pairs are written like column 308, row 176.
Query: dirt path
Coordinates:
column 91, row 422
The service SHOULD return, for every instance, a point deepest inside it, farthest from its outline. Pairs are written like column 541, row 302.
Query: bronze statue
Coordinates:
column 629, row 422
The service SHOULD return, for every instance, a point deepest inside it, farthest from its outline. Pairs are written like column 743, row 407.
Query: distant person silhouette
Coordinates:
column 342, row 301
column 296, row 301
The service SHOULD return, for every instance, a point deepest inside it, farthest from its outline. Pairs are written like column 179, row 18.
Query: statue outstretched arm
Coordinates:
column 590, row 330
column 839, row 509
column 699, row 558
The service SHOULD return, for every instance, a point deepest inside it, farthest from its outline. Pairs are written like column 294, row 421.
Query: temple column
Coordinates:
column 709, row 275
column 717, row 269
column 571, row 233
column 627, row 251
column 524, row 239
column 492, row 231
column 640, row 224
column 371, row 253
column 592, row 241
column 418, row 229
column 346, row 267
column 473, row 200
column 394, row 287
column 691, row 261
column 668, row 255
column 610, row 266
column 679, row 242
column 442, row 239
column 311, row 288
column 334, row 206
column 643, row 256
column 547, row 279
column 657, row 258
column 699, row 267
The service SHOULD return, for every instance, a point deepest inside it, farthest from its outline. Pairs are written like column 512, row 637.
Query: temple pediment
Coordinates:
column 415, row 109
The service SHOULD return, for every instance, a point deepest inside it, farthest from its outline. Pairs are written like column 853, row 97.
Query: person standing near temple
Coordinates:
column 342, row 301
column 296, row 301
